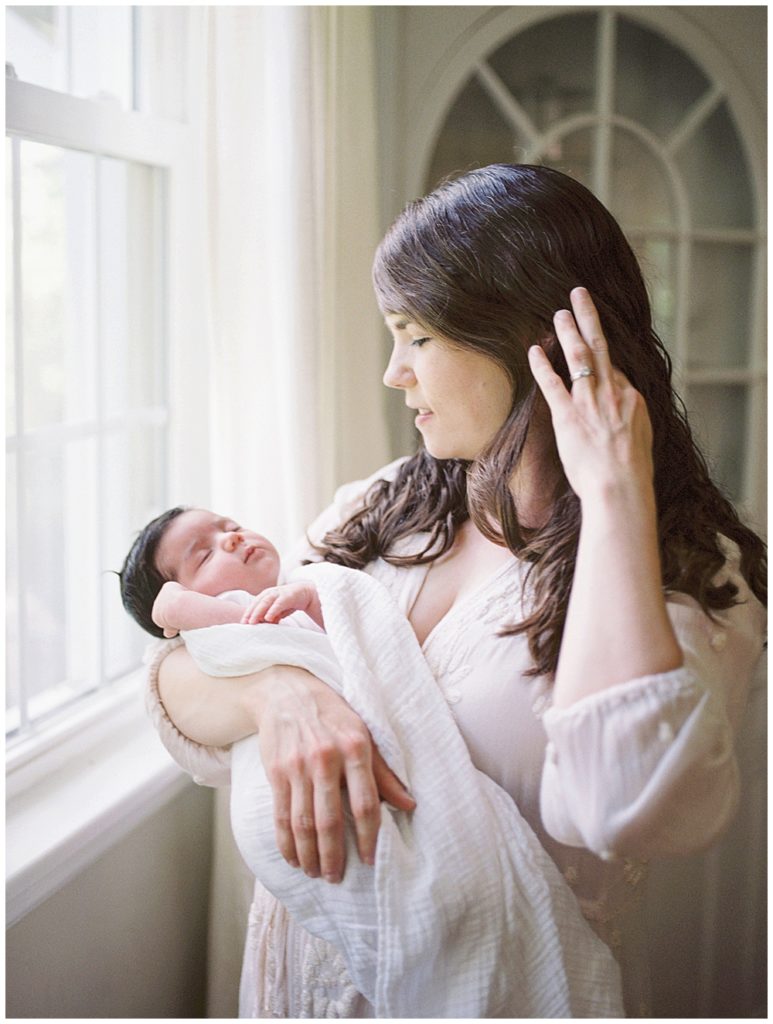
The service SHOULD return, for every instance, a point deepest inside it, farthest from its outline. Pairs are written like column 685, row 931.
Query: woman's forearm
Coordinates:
column 617, row 627
column 214, row 712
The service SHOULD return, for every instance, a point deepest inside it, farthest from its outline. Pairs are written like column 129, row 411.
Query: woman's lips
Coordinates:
column 423, row 416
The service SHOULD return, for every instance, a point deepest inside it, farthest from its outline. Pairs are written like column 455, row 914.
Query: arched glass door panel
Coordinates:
column 550, row 68
column 656, row 84
column 713, row 166
column 639, row 192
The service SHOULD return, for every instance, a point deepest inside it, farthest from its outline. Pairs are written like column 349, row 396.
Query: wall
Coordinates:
column 126, row 938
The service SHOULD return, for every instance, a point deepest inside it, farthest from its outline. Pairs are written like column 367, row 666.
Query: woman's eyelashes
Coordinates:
column 418, row 342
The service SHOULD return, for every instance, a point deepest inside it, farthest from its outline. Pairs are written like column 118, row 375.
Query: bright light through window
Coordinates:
column 84, row 51
column 87, row 414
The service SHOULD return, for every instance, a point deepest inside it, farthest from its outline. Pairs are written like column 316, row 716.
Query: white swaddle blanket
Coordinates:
column 464, row 913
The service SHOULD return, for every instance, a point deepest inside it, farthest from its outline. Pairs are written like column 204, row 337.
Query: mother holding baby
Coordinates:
column 585, row 597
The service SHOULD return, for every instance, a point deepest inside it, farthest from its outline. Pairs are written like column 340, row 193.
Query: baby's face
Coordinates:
column 209, row 554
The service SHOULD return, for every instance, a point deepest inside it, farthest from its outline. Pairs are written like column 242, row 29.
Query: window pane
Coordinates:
column 550, row 68
column 10, row 341
column 61, row 574
column 718, row 417
column 11, row 595
column 473, row 126
column 573, row 154
column 720, row 305
column 58, row 285
column 84, row 51
column 133, row 483
column 129, row 283
column 656, row 83
column 36, row 45
column 101, row 47
column 657, row 260
column 641, row 192
column 716, row 175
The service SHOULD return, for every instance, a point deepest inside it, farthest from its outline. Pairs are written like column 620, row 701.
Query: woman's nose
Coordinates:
column 399, row 373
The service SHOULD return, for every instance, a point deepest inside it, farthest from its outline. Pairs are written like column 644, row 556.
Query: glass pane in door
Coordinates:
column 641, row 194
column 656, row 83
column 550, row 68
column 657, row 260
column 720, row 305
column 474, row 134
column 716, row 175
column 717, row 415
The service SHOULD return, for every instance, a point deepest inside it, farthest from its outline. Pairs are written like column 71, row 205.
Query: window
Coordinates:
column 90, row 185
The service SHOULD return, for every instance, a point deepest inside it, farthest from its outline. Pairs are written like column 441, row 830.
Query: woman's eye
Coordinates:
column 418, row 342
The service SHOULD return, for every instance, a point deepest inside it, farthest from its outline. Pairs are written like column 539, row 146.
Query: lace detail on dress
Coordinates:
column 326, row 988
column 447, row 648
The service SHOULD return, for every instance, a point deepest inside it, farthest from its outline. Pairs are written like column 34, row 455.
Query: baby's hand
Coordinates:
column 162, row 608
column 276, row 603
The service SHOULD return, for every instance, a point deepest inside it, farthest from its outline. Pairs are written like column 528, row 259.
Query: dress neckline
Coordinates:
column 461, row 604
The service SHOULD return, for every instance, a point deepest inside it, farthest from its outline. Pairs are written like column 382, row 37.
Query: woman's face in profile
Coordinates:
column 461, row 397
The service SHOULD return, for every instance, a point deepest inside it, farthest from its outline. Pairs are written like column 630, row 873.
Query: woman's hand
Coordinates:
column 602, row 427
column 312, row 744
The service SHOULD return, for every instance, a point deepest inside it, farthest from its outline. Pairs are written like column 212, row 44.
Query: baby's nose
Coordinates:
column 232, row 540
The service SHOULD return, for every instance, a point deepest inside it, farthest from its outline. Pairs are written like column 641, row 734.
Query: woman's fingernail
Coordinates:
column 332, row 877
column 294, row 863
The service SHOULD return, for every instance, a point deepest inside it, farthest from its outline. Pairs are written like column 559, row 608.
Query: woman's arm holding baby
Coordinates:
column 311, row 742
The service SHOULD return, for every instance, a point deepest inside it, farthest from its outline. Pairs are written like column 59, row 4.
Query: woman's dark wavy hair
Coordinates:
column 486, row 260
column 139, row 578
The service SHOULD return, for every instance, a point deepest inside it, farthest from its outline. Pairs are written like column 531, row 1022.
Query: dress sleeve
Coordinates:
column 648, row 767
column 207, row 766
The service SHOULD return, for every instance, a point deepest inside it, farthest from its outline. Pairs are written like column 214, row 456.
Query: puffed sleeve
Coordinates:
column 208, row 766
column 648, row 767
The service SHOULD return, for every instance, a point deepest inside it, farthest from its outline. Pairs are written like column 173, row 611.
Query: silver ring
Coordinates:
column 586, row 371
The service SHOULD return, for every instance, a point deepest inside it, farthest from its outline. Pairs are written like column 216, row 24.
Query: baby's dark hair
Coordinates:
column 140, row 578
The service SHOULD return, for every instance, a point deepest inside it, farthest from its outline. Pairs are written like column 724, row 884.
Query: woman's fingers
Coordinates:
column 303, row 826
column 548, row 381
column 283, row 828
column 585, row 337
column 363, row 793
column 389, row 786
column 329, row 822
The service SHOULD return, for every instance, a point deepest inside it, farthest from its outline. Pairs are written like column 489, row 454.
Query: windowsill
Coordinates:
column 71, row 803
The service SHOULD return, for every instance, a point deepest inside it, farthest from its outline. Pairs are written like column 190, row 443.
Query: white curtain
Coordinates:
column 283, row 100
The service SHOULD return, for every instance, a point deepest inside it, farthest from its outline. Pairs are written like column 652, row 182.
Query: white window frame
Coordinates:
column 76, row 785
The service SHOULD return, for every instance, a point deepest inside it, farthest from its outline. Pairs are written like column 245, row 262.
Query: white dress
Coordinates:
column 645, row 768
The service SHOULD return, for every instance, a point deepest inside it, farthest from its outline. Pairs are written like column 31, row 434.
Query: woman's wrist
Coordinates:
column 282, row 686
column 627, row 502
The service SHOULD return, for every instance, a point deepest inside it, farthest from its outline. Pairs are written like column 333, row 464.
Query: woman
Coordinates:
column 586, row 598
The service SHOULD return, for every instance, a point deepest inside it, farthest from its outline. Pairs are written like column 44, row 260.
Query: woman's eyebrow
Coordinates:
column 400, row 324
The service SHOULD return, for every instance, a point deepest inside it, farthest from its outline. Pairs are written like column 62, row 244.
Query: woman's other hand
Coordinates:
column 602, row 427
column 312, row 744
